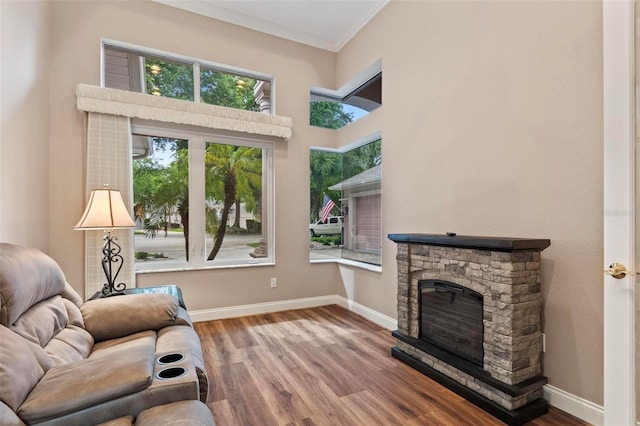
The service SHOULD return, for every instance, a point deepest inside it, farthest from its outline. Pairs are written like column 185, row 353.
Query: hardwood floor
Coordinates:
column 324, row 366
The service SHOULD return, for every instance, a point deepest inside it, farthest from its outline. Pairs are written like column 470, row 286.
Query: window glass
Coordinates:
column 234, row 202
column 345, row 194
column 160, row 197
column 169, row 79
column 122, row 70
column 334, row 112
column 330, row 114
column 218, row 88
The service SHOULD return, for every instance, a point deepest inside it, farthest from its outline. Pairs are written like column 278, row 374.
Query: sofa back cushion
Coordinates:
column 27, row 276
column 37, row 303
column 42, row 321
column 72, row 344
column 22, row 365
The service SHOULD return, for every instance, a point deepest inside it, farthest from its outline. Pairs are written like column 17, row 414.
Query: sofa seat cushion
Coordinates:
column 192, row 413
column 73, row 387
column 120, row 421
column 121, row 347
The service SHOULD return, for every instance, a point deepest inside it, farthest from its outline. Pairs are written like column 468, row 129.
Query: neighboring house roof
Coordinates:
column 370, row 177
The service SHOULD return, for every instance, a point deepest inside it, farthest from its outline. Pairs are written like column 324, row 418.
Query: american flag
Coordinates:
column 327, row 206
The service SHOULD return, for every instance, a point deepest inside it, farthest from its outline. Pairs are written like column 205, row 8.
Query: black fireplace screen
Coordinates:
column 451, row 318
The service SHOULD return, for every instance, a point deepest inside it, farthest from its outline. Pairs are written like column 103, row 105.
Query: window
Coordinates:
column 200, row 200
column 345, row 194
column 334, row 110
column 203, row 190
column 137, row 69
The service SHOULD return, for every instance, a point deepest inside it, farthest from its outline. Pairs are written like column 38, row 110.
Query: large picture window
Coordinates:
column 200, row 200
column 346, row 194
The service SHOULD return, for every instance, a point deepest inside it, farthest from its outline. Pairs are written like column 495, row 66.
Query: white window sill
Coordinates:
column 202, row 268
column 347, row 262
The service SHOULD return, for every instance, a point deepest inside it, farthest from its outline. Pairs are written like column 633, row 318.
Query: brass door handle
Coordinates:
column 618, row 271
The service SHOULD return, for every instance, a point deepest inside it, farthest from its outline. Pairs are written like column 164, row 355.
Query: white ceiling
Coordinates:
column 327, row 24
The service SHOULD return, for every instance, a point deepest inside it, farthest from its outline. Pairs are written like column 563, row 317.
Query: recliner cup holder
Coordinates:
column 170, row 358
column 171, row 373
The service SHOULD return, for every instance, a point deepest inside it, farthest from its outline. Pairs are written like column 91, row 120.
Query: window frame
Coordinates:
column 197, row 139
column 196, row 63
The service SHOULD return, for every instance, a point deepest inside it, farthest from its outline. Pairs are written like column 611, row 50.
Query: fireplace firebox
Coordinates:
column 469, row 317
column 451, row 318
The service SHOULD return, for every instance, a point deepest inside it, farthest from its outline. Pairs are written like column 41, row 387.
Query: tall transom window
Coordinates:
column 138, row 69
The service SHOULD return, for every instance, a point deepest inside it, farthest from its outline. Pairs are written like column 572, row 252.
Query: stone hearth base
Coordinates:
column 522, row 415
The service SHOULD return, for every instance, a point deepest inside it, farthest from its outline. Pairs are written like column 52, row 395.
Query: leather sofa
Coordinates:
column 114, row 360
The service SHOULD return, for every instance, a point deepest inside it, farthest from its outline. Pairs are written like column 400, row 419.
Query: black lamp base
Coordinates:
column 105, row 293
column 111, row 260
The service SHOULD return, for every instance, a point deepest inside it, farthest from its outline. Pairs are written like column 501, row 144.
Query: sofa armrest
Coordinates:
column 69, row 388
column 120, row 316
column 183, row 318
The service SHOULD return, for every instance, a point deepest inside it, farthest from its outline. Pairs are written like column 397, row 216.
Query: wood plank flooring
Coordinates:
column 325, row 366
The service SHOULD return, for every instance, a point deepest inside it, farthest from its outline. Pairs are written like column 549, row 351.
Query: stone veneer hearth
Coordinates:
column 506, row 272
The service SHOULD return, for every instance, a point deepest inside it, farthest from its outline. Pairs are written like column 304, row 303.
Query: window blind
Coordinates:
column 108, row 163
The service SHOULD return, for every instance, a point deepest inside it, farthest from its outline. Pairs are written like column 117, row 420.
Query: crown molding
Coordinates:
column 332, row 42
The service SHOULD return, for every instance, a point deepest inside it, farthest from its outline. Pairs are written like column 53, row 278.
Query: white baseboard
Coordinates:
column 576, row 406
column 284, row 305
column 261, row 308
column 569, row 403
column 368, row 313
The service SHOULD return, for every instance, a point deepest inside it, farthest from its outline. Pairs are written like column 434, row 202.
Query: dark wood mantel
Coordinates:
column 505, row 244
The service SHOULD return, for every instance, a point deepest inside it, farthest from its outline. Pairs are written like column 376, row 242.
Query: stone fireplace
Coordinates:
column 469, row 317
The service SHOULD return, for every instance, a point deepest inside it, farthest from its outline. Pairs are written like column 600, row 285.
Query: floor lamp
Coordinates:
column 106, row 210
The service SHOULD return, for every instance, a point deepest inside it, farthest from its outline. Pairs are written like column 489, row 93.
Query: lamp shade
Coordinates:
column 105, row 210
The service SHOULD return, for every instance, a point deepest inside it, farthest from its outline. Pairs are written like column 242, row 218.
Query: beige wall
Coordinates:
column 78, row 27
column 492, row 125
column 24, row 133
